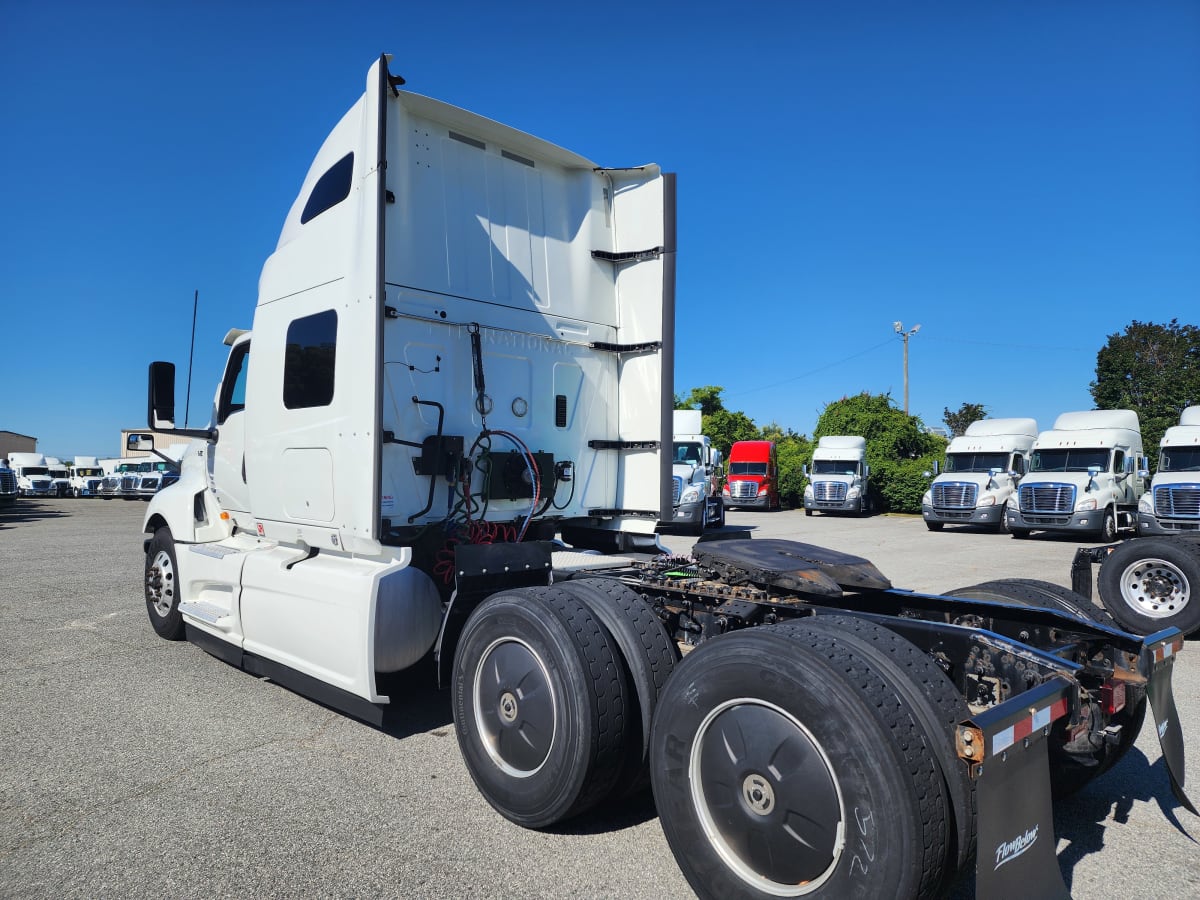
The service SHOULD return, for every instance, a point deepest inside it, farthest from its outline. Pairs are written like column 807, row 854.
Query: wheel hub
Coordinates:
column 514, row 707
column 1154, row 588
column 767, row 797
column 758, row 794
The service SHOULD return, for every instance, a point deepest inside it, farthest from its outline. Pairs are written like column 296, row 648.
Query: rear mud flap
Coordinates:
column 1010, row 764
column 1156, row 663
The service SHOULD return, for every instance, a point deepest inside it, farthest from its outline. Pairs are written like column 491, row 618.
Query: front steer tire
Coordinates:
column 162, row 586
column 541, row 708
column 784, row 766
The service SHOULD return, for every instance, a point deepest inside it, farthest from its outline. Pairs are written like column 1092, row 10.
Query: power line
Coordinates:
column 838, row 362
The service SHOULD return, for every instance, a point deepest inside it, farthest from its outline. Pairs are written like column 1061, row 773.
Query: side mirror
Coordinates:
column 804, row 469
column 160, row 402
column 1143, row 473
column 866, row 471
column 138, row 441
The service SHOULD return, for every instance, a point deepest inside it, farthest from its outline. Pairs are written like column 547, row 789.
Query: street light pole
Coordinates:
column 904, row 336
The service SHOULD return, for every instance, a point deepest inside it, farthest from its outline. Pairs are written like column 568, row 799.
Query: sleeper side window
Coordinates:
column 309, row 361
column 331, row 189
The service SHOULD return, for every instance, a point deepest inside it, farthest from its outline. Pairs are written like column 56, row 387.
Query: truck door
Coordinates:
column 227, row 460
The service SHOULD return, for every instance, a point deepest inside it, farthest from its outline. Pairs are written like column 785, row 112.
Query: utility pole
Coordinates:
column 904, row 336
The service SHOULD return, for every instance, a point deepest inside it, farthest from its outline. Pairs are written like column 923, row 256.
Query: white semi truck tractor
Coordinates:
column 1172, row 505
column 452, row 445
column 695, row 476
column 1086, row 475
column 983, row 467
column 839, row 477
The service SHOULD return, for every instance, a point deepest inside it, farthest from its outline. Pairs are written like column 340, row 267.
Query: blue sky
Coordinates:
column 1022, row 179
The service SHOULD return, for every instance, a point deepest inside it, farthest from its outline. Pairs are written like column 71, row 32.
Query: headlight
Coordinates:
column 808, row 492
column 927, row 498
column 853, row 493
column 690, row 494
column 1082, row 505
column 1146, row 504
column 987, row 500
column 762, row 490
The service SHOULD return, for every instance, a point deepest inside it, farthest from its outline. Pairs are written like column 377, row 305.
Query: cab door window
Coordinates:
column 233, row 388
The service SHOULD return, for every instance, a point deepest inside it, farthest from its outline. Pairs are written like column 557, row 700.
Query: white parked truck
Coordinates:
column 461, row 391
column 1086, row 474
column 1172, row 505
column 696, row 471
column 60, row 477
column 8, row 483
column 839, row 478
column 33, row 475
column 983, row 467
column 86, row 477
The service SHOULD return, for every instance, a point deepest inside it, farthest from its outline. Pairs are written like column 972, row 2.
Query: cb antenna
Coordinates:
column 191, row 351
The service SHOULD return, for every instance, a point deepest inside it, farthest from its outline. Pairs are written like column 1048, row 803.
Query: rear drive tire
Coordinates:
column 1151, row 583
column 762, row 784
column 649, row 657
column 540, row 705
column 162, row 586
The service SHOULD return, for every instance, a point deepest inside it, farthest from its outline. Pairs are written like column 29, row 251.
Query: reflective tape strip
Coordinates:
column 1167, row 650
column 1022, row 729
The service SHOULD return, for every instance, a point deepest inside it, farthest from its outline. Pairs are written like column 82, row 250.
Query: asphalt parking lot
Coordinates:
column 135, row 767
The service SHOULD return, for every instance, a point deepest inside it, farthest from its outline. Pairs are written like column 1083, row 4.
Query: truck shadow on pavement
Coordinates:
column 25, row 511
column 1082, row 820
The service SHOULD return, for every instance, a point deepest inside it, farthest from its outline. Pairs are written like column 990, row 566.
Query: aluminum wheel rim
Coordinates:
column 515, row 707
column 1155, row 588
column 160, row 584
column 766, row 796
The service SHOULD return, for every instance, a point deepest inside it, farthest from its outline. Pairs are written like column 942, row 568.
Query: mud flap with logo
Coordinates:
column 1156, row 662
column 1007, row 749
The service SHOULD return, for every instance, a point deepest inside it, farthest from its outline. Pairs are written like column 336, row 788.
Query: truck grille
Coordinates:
column 128, row 483
column 1178, row 500
column 829, row 491
column 743, row 490
column 8, row 483
column 1048, row 498
column 955, row 495
column 676, row 488
column 148, row 484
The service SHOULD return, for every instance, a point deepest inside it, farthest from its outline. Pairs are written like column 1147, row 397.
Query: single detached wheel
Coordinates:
column 762, row 784
column 1150, row 583
column 540, row 705
column 162, row 586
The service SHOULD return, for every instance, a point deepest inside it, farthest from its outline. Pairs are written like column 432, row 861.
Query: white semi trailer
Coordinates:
column 1087, row 474
column 462, row 351
column 983, row 468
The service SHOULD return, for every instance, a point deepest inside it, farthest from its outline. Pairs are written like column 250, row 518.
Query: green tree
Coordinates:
column 958, row 421
column 899, row 450
column 706, row 399
column 725, row 428
column 1153, row 370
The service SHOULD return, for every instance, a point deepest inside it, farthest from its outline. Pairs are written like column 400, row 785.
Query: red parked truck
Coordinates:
column 753, row 480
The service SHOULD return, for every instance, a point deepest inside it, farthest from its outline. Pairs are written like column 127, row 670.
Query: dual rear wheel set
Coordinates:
column 811, row 758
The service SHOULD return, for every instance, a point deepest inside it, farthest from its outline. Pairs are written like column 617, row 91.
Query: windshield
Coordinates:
column 86, row 472
column 126, row 467
column 976, row 462
column 835, row 467
column 687, row 452
column 748, row 468
column 34, row 470
column 1073, row 460
column 1179, row 459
